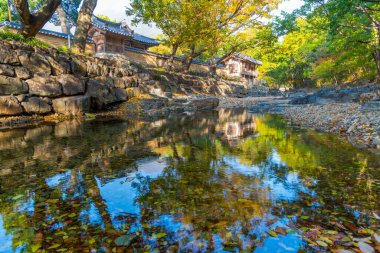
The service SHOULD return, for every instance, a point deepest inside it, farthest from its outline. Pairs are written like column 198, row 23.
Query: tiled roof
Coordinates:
column 118, row 28
column 110, row 26
column 42, row 31
column 248, row 58
column 145, row 39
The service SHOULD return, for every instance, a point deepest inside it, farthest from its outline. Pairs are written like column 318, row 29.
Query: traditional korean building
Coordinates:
column 240, row 65
column 110, row 37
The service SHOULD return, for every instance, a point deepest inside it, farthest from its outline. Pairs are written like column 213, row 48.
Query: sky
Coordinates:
column 115, row 9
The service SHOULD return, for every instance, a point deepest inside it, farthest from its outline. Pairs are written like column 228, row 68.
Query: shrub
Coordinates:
column 5, row 34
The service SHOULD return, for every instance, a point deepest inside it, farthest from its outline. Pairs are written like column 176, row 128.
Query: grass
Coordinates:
column 5, row 34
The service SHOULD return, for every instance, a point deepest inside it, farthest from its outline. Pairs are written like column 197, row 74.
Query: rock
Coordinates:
column 366, row 248
column 71, row 85
column 120, row 95
column 6, row 70
column 9, row 106
column 44, row 87
column 376, row 238
column 59, row 66
column 127, row 82
column 22, row 97
column 365, row 97
column 100, row 94
column 10, row 85
column 145, row 77
column 35, row 63
column 93, row 69
column 371, row 106
column 133, row 92
column 35, row 105
column 205, row 103
column 105, row 80
column 78, row 67
column 72, row 106
column 23, row 73
column 8, row 56
column 376, row 142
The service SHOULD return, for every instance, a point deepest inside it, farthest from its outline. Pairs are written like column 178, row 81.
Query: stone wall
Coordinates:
column 37, row 81
column 40, row 81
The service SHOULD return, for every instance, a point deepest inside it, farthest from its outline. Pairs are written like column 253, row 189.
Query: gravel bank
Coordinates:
column 345, row 119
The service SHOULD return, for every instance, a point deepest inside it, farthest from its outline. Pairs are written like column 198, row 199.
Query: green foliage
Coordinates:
column 204, row 29
column 5, row 34
column 107, row 18
column 342, row 44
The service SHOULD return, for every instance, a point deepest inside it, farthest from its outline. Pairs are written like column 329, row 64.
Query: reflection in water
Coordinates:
column 214, row 182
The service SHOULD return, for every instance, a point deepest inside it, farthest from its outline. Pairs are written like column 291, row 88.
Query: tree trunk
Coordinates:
column 376, row 57
column 189, row 60
column 65, row 27
column 84, row 22
column 33, row 23
column 172, row 55
column 213, row 65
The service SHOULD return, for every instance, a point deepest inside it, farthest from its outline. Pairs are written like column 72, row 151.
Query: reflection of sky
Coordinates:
column 280, row 189
column 119, row 194
column 288, row 243
column 6, row 240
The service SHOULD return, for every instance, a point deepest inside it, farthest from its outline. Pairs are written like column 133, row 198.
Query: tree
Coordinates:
column 32, row 23
column 66, row 15
column 172, row 17
column 357, row 22
column 228, row 19
column 201, row 25
column 83, row 24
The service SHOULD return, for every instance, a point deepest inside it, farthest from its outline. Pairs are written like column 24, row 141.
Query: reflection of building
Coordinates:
column 240, row 65
column 240, row 127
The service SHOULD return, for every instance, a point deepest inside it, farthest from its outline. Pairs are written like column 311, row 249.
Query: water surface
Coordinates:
column 225, row 181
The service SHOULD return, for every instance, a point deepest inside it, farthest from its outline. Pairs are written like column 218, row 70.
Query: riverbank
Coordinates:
column 349, row 120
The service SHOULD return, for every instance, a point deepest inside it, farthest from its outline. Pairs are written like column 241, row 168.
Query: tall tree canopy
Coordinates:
column 201, row 25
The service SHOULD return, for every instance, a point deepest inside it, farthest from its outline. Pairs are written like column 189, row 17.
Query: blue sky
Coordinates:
column 116, row 10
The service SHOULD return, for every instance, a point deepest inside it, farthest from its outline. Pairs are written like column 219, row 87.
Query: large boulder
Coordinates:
column 35, row 105
column 72, row 106
column 59, row 66
column 8, row 56
column 208, row 103
column 35, row 63
column 23, row 73
column 7, row 70
column 127, row 82
column 44, row 86
column 120, row 95
column 101, row 94
column 78, row 67
column 9, row 106
column 10, row 85
column 71, row 85
column 93, row 69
